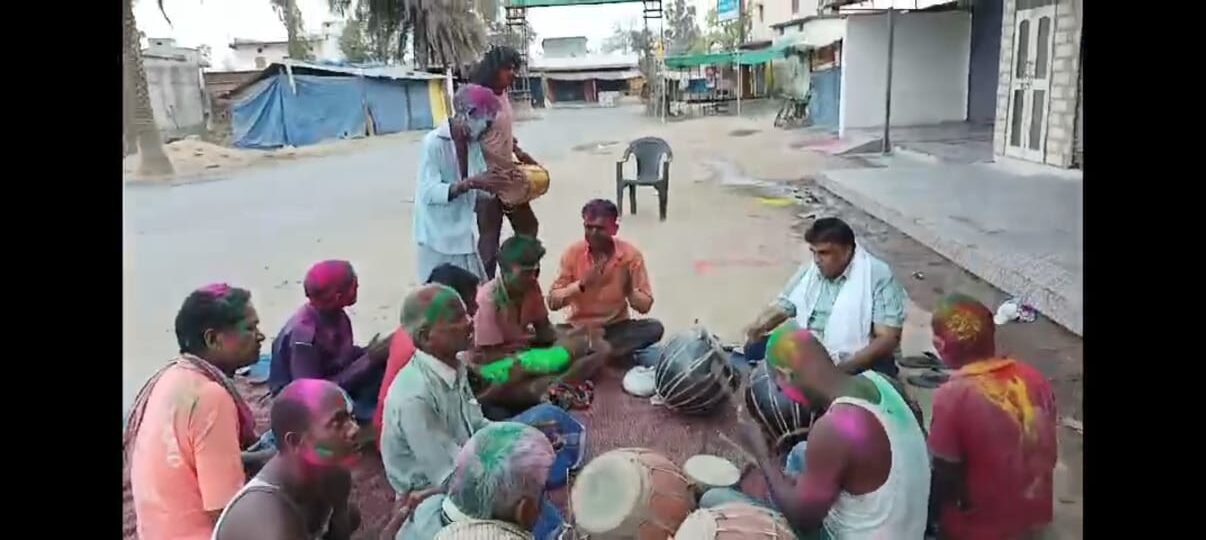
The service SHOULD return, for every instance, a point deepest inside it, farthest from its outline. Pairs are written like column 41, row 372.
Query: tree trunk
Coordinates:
column 153, row 160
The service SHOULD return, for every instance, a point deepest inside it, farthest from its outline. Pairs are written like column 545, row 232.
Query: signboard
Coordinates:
column 727, row 10
column 562, row 3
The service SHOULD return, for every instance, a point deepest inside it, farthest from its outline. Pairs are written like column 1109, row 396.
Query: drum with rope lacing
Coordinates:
column 784, row 421
column 693, row 375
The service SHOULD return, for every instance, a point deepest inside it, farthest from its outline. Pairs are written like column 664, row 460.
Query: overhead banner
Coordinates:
column 727, row 10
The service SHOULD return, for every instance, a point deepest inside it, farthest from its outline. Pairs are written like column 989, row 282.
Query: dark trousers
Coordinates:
column 632, row 334
column 489, row 226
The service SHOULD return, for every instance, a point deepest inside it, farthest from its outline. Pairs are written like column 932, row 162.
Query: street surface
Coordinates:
column 732, row 238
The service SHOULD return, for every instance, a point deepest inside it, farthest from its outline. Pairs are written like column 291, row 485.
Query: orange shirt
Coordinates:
column 604, row 303
column 186, row 458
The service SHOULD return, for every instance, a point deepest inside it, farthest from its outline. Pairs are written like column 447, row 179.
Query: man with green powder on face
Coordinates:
column 512, row 325
column 431, row 410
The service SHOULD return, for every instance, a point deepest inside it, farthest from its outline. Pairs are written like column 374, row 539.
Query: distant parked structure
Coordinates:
column 569, row 73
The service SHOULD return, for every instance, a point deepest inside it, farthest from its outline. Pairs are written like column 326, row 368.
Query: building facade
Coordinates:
column 1039, row 92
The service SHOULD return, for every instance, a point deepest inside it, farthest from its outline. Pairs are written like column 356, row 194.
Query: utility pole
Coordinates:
column 887, row 148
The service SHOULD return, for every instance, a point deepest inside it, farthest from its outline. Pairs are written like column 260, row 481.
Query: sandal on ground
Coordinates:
column 926, row 360
column 929, row 379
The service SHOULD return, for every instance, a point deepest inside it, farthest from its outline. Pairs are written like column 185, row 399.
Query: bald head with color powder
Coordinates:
column 474, row 109
column 804, row 370
column 435, row 318
column 312, row 421
column 331, row 285
column 963, row 331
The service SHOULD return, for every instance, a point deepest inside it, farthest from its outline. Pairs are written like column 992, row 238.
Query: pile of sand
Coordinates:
column 192, row 157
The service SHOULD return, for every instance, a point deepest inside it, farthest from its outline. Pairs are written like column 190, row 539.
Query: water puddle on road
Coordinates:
column 727, row 173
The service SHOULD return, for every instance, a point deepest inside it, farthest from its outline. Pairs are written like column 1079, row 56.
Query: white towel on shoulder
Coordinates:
column 849, row 327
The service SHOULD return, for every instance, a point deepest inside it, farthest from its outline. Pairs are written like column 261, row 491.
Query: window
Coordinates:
column 260, row 62
column 795, row 6
column 760, row 14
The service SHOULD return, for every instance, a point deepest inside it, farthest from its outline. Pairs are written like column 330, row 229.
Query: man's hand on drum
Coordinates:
column 524, row 157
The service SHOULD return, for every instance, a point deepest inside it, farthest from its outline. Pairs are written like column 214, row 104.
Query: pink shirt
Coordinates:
column 498, row 142
column 186, row 459
column 506, row 325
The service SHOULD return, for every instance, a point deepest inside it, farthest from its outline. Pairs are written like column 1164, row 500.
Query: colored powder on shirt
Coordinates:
column 1006, row 389
column 538, row 361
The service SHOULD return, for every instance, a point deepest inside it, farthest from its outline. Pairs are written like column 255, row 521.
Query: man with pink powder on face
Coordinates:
column 303, row 492
column 317, row 342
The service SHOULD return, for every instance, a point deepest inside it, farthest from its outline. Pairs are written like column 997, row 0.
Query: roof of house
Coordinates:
column 358, row 70
column 588, row 62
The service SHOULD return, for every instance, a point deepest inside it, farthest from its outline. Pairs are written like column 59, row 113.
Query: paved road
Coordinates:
column 261, row 228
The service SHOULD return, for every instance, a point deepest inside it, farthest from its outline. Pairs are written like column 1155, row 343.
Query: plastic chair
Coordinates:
column 652, row 171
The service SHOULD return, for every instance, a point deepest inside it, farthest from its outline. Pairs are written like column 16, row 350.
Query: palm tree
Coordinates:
column 153, row 161
column 291, row 17
column 442, row 32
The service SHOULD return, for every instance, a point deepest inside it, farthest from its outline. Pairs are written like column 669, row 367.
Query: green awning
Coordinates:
column 745, row 58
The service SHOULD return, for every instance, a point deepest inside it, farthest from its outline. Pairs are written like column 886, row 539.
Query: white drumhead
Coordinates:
column 711, row 471
column 606, row 492
column 699, row 525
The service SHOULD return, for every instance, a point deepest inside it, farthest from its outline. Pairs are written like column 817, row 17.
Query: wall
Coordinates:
column 1065, row 70
column 567, row 47
column 985, row 61
column 929, row 75
column 177, row 95
column 776, row 11
column 243, row 57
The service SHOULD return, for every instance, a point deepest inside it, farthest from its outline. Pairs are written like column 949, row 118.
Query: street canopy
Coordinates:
column 742, row 57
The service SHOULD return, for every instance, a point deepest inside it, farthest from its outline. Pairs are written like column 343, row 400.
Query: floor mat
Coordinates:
column 615, row 420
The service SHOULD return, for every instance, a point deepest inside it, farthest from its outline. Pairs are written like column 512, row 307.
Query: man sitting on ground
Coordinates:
column 845, row 296
column 402, row 348
column 497, row 487
column 992, row 435
column 303, row 492
column 430, row 409
column 513, row 325
column 600, row 277
column 865, row 467
column 189, row 423
column 317, row 342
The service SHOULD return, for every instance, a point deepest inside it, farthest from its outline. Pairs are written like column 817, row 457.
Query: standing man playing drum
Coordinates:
column 444, row 218
column 601, row 276
column 496, row 71
column 865, row 468
column 845, row 296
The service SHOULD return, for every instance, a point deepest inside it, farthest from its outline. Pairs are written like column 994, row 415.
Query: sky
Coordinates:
column 217, row 22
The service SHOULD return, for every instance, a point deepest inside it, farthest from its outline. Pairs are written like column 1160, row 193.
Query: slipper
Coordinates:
column 926, row 360
column 929, row 379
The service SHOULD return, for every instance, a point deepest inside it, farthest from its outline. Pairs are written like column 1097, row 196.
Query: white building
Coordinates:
column 254, row 54
column 176, row 88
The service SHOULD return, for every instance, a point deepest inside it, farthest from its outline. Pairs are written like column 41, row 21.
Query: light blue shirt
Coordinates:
column 440, row 224
column 887, row 296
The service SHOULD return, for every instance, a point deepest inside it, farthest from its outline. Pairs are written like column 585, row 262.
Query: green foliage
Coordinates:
column 726, row 36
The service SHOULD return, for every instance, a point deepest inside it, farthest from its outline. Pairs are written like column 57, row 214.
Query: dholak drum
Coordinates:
column 535, row 184
column 784, row 421
column 707, row 471
column 693, row 375
column 734, row 521
column 630, row 493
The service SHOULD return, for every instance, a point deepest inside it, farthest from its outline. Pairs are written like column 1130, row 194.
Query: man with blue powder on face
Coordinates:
column 445, row 219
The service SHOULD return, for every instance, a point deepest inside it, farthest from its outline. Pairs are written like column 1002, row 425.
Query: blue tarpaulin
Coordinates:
column 269, row 114
column 389, row 104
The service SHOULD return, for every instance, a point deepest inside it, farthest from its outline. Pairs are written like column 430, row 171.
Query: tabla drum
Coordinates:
column 734, row 521
column 707, row 472
column 693, row 375
column 630, row 494
column 535, row 184
column 784, row 421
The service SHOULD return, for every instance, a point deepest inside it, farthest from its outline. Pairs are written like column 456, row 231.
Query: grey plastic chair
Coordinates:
column 652, row 171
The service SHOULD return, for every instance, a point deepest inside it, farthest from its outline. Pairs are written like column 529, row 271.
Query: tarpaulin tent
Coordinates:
column 296, row 104
column 742, row 57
